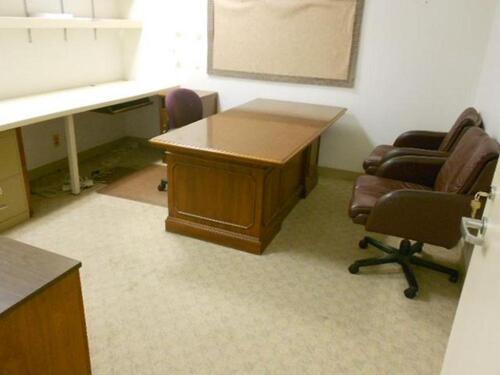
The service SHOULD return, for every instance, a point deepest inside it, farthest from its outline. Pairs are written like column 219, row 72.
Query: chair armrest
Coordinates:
column 420, row 139
column 420, row 170
column 408, row 151
column 425, row 216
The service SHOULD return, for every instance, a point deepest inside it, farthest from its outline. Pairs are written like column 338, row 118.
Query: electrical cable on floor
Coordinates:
column 101, row 170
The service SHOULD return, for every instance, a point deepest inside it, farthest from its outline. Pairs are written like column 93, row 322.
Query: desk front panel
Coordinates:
column 215, row 193
column 46, row 333
column 235, row 204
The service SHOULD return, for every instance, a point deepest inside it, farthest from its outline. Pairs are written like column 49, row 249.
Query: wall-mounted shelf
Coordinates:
column 72, row 23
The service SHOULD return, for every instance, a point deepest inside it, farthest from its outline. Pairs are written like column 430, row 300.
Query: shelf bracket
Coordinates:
column 65, row 31
column 27, row 14
column 92, row 2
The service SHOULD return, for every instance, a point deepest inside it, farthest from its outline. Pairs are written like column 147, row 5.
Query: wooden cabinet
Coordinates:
column 14, row 202
column 210, row 100
column 42, row 322
column 10, row 161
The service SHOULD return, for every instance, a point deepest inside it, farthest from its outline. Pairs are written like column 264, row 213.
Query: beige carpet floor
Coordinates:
column 160, row 303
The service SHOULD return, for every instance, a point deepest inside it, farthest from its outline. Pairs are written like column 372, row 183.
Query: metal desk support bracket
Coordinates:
column 26, row 13
column 92, row 2
column 62, row 12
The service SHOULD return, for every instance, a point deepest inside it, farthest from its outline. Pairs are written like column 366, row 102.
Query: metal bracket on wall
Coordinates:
column 65, row 30
column 26, row 13
column 61, row 2
column 93, row 17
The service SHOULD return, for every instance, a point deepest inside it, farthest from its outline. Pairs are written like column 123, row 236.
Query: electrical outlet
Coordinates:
column 56, row 140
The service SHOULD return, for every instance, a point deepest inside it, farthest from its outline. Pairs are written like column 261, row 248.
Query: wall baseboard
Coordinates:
column 338, row 173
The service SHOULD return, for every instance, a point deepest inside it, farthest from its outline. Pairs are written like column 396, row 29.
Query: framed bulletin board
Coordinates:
column 302, row 41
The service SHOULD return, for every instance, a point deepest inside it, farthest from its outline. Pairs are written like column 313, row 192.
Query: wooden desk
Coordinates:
column 234, row 177
column 42, row 322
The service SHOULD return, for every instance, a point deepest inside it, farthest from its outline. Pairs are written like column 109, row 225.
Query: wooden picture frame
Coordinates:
column 336, row 65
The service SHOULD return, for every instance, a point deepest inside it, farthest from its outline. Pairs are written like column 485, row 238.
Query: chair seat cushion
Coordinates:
column 372, row 162
column 367, row 191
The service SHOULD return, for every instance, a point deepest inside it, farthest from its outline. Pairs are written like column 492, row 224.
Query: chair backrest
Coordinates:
column 183, row 108
column 475, row 152
column 469, row 118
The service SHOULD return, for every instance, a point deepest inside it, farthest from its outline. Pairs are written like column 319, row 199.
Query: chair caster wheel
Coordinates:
column 411, row 292
column 363, row 244
column 162, row 186
column 354, row 269
column 419, row 248
column 453, row 278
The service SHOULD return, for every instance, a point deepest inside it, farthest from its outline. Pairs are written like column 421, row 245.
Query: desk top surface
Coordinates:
column 263, row 130
column 26, row 270
column 31, row 109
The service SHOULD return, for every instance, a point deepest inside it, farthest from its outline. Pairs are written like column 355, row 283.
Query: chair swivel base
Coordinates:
column 405, row 257
column 163, row 185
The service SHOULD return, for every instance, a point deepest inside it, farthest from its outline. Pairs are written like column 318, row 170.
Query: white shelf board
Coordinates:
column 27, row 110
column 70, row 23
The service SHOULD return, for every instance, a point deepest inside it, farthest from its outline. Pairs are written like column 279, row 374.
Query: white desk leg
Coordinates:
column 74, row 174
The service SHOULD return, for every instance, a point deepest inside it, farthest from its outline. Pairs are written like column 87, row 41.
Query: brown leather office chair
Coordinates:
column 422, row 199
column 426, row 143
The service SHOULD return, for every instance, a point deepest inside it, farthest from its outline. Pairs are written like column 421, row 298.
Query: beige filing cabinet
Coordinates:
column 14, row 206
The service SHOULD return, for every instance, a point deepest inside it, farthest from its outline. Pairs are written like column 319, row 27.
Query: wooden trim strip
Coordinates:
column 27, row 187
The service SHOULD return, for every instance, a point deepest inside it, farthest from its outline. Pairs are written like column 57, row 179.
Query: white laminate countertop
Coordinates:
column 31, row 109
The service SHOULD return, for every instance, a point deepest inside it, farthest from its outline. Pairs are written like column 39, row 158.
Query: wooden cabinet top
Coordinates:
column 26, row 270
column 264, row 131
column 201, row 93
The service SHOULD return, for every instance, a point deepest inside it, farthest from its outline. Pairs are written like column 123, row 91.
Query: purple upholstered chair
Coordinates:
column 183, row 108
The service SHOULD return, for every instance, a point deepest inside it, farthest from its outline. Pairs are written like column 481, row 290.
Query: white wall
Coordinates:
column 50, row 63
column 418, row 68
column 488, row 91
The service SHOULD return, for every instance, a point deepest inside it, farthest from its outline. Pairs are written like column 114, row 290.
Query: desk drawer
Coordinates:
column 13, row 200
column 10, row 161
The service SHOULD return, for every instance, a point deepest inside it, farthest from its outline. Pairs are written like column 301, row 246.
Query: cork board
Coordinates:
column 304, row 41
